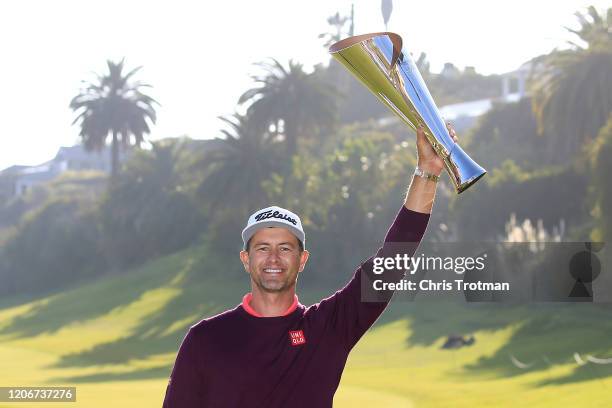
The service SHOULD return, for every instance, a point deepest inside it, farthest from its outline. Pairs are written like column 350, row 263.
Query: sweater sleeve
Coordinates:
column 184, row 388
column 349, row 315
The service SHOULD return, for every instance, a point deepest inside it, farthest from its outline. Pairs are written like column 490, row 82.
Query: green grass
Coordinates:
column 116, row 339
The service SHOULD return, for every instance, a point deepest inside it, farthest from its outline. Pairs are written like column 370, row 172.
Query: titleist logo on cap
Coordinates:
column 276, row 214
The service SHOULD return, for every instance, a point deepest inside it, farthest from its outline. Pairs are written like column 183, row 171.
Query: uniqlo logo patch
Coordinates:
column 297, row 337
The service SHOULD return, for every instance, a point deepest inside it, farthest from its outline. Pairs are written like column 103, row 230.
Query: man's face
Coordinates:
column 274, row 259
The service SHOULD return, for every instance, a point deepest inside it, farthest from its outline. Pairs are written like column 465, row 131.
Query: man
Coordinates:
column 271, row 351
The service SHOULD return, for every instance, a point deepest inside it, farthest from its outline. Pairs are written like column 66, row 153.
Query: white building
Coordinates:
column 23, row 178
column 513, row 89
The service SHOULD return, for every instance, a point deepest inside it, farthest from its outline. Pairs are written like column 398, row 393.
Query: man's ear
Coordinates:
column 303, row 259
column 244, row 257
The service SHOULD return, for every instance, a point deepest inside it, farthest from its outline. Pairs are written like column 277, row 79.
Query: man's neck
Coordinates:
column 271, row 304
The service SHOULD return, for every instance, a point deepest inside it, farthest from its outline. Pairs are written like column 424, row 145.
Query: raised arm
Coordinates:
column 422, row 190
column 350, row 314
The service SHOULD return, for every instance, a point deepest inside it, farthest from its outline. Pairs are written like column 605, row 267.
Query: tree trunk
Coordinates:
column 291, row 137
column 114, row 156
column 291, row 146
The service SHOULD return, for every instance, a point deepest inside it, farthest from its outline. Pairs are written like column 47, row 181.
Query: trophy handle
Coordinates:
column 396, row 40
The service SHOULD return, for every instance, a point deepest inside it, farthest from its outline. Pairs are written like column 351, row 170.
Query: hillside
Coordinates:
column 116, row 339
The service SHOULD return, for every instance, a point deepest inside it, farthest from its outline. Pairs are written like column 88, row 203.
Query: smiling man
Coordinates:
column 271, row 351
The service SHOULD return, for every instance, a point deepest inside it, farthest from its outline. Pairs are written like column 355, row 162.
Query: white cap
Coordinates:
column 273, row 217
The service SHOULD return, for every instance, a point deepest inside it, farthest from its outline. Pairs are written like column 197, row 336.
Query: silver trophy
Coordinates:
column 379, row 62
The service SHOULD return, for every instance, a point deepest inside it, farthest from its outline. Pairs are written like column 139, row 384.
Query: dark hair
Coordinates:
column 248, row 244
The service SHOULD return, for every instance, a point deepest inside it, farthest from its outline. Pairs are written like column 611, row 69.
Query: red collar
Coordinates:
column 246, row 305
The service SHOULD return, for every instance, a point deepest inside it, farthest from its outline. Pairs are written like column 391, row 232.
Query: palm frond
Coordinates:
column 113, row 104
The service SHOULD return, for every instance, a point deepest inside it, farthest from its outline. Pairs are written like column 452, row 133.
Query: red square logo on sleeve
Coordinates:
column 297, row 337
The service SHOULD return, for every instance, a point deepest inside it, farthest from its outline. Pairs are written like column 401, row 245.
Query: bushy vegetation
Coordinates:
column 509, row 132
column 147, row 213
column 550, row 194
column 602, row 188
column 75, row 229
column 57, row 244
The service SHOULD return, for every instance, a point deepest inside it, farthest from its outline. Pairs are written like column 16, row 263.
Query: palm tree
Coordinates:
column 295, row 103
column 572, row 93
column 337, row 22
column 113, row 106
column 236, row 167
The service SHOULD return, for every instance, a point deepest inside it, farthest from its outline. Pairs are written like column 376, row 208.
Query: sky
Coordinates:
column 199, row 56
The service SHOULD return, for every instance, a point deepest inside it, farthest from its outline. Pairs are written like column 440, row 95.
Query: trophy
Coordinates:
column 379, row 62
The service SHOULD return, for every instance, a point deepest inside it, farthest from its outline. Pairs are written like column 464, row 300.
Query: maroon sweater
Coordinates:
column 235, row 359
